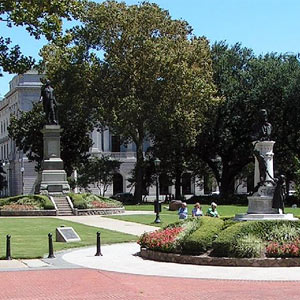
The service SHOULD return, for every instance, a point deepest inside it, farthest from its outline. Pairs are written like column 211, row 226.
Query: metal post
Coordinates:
column 157, row 219
column 51, row 254
column 8, row 252
column 98, row 253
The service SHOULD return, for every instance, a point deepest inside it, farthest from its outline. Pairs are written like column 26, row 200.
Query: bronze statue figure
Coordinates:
column 279, row 195
column 49, row 103
column 262, row 166
column 263, row 129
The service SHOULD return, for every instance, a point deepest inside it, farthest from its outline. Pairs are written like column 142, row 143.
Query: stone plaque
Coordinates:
column 55, row 188
column 66, row 234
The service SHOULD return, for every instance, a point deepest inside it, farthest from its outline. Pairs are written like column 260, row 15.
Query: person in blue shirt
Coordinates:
column 197, row 211
column 183, row 211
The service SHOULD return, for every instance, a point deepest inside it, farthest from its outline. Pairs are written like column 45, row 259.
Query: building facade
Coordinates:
column 21, row 175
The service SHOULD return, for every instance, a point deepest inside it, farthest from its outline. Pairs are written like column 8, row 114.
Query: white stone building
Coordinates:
column 21, row 175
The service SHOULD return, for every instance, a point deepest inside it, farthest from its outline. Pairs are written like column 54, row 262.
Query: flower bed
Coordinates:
column 211, row 238
column 25, row 203
column 17, row 207
column 91, row 201
column 163, row 240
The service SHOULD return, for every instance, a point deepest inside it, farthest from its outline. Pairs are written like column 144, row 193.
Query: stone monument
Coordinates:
column 260, row 203
column 52, row 178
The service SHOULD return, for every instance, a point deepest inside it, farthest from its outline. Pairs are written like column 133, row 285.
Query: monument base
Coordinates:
column 54, row 182
column 260, row 217
column 261, row 205
column 53, row 178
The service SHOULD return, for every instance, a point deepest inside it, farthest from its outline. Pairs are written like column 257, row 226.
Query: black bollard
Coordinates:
column 51, row 254
column 98, row 245
column 8, row 252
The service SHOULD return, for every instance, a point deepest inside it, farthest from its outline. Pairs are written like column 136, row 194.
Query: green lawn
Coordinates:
column 168, row 217
column 224, row 210
column 29, row 236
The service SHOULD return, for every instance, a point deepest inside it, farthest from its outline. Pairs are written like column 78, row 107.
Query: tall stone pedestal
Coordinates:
column 52, row 178
column 260, row 203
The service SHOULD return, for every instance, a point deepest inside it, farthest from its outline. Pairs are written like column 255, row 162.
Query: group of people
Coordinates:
column 197, row 211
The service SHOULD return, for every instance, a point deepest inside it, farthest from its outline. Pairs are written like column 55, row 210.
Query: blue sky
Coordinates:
column 263, row 25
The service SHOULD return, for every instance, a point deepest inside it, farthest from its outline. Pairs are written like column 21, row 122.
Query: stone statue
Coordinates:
column 49, row 103
column 262, row 130
column 279, row 195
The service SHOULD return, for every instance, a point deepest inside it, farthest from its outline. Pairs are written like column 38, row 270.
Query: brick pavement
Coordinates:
column 87, row 284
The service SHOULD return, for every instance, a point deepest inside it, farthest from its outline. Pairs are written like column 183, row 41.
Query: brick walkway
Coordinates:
column 93, row 284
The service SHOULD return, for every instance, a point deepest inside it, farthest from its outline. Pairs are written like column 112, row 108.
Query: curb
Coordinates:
column 218, row 261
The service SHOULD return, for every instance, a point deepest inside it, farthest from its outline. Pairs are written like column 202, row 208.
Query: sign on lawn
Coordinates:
column 66, row 234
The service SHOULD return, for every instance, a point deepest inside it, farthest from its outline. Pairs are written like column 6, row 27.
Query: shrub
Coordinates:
column 285, row 232
column 227, row 241
column 223, row 245
column 78, row 201
column 248, row 246
column 201, row 240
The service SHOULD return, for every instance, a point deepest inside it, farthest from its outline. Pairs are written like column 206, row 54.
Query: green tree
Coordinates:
column 39, row 18
column 153, row 72
column 247, row 84
column 99, row 171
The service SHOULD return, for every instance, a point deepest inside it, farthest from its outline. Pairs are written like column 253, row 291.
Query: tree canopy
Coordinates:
column 39, row 18
column 145, row 71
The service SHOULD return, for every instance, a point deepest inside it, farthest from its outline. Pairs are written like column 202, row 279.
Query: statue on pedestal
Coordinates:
column 263, row 129
column 49, row 103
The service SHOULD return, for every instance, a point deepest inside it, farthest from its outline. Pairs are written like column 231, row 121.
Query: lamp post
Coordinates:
column 157, row 206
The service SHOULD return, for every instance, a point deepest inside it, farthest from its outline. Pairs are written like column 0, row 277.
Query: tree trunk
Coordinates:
column 227, row 183
column 139, row 172
column 178, row 184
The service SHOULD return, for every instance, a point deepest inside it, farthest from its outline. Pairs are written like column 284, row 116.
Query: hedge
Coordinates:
column 201, row 240
column 226, row 242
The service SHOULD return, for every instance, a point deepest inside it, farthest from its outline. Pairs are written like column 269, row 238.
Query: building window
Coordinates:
column 115, row 143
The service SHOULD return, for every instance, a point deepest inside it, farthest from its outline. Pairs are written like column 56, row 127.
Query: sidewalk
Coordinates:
column 113, row 224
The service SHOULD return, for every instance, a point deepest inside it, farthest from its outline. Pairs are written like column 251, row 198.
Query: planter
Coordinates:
column 12, row 213
column 219, row 261
column 99, row 211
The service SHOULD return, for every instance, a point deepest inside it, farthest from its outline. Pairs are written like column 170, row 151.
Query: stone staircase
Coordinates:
column 63, row 206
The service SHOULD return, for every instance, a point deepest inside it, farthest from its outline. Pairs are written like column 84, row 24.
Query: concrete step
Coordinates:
column 63, row 207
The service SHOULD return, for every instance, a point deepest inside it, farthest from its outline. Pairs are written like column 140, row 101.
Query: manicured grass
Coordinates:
column 224, row 210
column 167, row 217
column 29, row 236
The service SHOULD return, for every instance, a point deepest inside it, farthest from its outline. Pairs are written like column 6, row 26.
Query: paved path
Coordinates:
column 122, row 258
column 112, row 224
column 86, row 284
column 120, row 274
